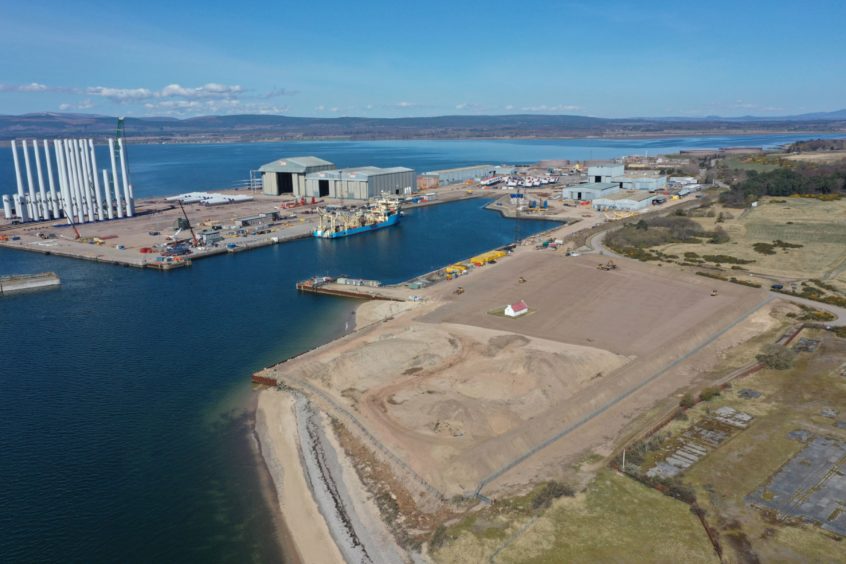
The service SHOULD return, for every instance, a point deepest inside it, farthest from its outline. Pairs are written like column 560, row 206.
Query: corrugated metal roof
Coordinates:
column 294, row 164
column 592, row 186
column 634, row 195
column 358, row 173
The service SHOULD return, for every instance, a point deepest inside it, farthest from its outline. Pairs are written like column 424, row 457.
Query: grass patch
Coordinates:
column 616, row 520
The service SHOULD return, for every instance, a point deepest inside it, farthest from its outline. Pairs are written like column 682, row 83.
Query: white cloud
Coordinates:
column 184, row 108
column 83, row 105
column 276, row 92
column 120, row 94
column 472, row 107
column 543, row 108
column 31, row 87
column 210, row 90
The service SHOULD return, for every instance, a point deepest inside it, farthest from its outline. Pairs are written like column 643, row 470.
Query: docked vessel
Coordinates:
column 384, row 212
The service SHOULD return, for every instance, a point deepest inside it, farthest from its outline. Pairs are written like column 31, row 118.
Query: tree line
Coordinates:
column 803, row 179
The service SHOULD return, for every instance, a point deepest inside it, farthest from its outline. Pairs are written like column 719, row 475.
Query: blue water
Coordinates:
column 122, row 421
column 158, row 170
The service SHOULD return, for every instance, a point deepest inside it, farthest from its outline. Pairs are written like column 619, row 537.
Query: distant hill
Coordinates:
column 274, row 127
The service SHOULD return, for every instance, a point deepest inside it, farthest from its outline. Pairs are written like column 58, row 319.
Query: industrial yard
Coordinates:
column 429, row 384
column 159, row 224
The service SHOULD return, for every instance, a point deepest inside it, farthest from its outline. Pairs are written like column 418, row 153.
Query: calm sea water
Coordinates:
column 123, row 429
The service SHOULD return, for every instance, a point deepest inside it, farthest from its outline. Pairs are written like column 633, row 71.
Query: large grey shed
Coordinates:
column 287, row 175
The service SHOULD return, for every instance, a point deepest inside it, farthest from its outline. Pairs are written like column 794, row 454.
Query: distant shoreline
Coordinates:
column 208, row 140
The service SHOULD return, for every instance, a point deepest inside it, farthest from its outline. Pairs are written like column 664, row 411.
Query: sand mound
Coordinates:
column 482, row 395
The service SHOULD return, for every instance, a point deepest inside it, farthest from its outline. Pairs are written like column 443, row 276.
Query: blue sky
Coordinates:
column 392, row 59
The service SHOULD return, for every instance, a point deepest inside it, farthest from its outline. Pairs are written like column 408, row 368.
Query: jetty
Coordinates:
column 22, row 282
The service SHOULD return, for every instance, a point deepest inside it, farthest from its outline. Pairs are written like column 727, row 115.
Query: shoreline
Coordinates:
column 210, row 139
column 336, row 520
column 284, row 539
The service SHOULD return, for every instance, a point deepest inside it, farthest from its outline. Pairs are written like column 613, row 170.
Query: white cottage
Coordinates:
column 516, row 309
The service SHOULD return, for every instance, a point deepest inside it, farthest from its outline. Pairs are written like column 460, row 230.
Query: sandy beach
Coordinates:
column 325, row 507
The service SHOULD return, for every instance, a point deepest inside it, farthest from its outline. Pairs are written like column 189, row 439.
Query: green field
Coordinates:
column 616, row 519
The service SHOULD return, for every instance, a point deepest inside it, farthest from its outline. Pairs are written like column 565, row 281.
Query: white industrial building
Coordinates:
column 605, row 173
column 360, row 183
column 68, row 185
column 641, row 182
column 682, row 180
column 626, row 200
column 589, row 191
column 288, row 175
column 458, row 175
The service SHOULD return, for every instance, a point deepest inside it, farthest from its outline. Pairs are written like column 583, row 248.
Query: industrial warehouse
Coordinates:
column 444, row 177
column 312, row 177
column 607, row 180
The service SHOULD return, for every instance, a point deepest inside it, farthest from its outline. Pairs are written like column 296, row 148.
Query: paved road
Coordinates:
column 840, row 312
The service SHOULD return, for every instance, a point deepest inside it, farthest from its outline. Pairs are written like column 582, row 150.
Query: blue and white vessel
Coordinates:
column 338, row 223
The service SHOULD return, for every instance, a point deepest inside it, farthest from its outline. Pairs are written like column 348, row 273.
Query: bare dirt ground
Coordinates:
column 457, row 393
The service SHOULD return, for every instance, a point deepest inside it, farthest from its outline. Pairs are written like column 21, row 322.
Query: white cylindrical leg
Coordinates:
column 54, row 205
column 86, row 177
column 18, row 179
column 64, row 179
column 20, row 207
column 30, row 202
column 126, row 190
column 43, row 210
column 97, row 196
column 79, row 205
column 115, row 182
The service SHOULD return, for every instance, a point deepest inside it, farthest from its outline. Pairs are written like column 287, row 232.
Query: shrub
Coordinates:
column 687, row 401
column 691, row 254
column 551, row 491
column 764, row 248
column 719, row 259
column 776, row 357
column 719, row 236
column 709, row 393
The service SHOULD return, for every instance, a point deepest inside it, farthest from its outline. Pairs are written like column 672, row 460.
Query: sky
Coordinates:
column 380, row 58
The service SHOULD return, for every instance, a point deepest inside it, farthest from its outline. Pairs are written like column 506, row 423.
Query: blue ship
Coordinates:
column 336, row 224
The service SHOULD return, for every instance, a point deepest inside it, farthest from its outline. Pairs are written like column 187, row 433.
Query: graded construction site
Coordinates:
column 468, row 402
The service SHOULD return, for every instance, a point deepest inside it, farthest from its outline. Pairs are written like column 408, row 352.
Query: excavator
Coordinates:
column 607, row 266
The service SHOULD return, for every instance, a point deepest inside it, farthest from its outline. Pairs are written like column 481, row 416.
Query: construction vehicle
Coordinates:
column 459, row 290
column 607, row 266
